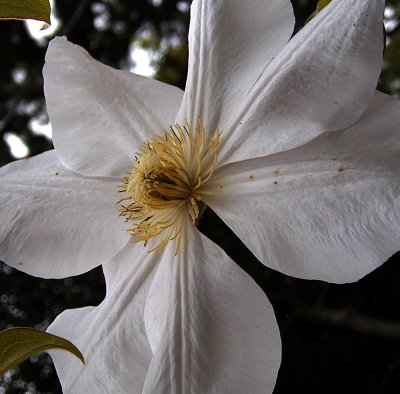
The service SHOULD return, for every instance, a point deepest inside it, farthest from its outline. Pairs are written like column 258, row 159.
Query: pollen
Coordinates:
column 166, row 183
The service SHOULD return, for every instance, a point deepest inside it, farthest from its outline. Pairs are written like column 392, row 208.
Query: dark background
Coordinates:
column 336, row 338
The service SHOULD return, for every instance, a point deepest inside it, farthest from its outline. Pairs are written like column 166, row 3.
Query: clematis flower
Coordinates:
column 287, row 141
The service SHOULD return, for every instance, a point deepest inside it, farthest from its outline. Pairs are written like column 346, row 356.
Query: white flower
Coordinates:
column 305, row 169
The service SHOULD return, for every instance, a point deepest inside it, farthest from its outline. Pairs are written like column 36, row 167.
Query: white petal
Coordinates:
column 230, row 44
column 101, row 116
column 211, row 328
column 323, row 80
column 112, row 336
column 328, row 210
column 55, row 223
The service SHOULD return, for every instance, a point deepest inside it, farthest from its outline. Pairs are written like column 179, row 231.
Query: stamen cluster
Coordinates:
column 165, row 182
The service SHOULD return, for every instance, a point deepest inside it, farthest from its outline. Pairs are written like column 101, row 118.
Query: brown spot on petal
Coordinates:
column 340, row 169
column 57, row 173
column 86, row 53
column 277, row 173
column 275, row 182
column 20, row 263
column 251, row 177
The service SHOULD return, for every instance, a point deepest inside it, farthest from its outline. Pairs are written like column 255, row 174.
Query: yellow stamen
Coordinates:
column 165, row 183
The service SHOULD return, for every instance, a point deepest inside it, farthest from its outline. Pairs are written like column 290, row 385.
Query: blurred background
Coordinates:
column 336, row 338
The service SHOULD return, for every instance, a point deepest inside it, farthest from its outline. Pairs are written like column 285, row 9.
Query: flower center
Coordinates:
column 166, row 182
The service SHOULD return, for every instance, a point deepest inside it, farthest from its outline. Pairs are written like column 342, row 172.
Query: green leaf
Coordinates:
column 25, row 9
column 320, row 6
column 19, row 343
